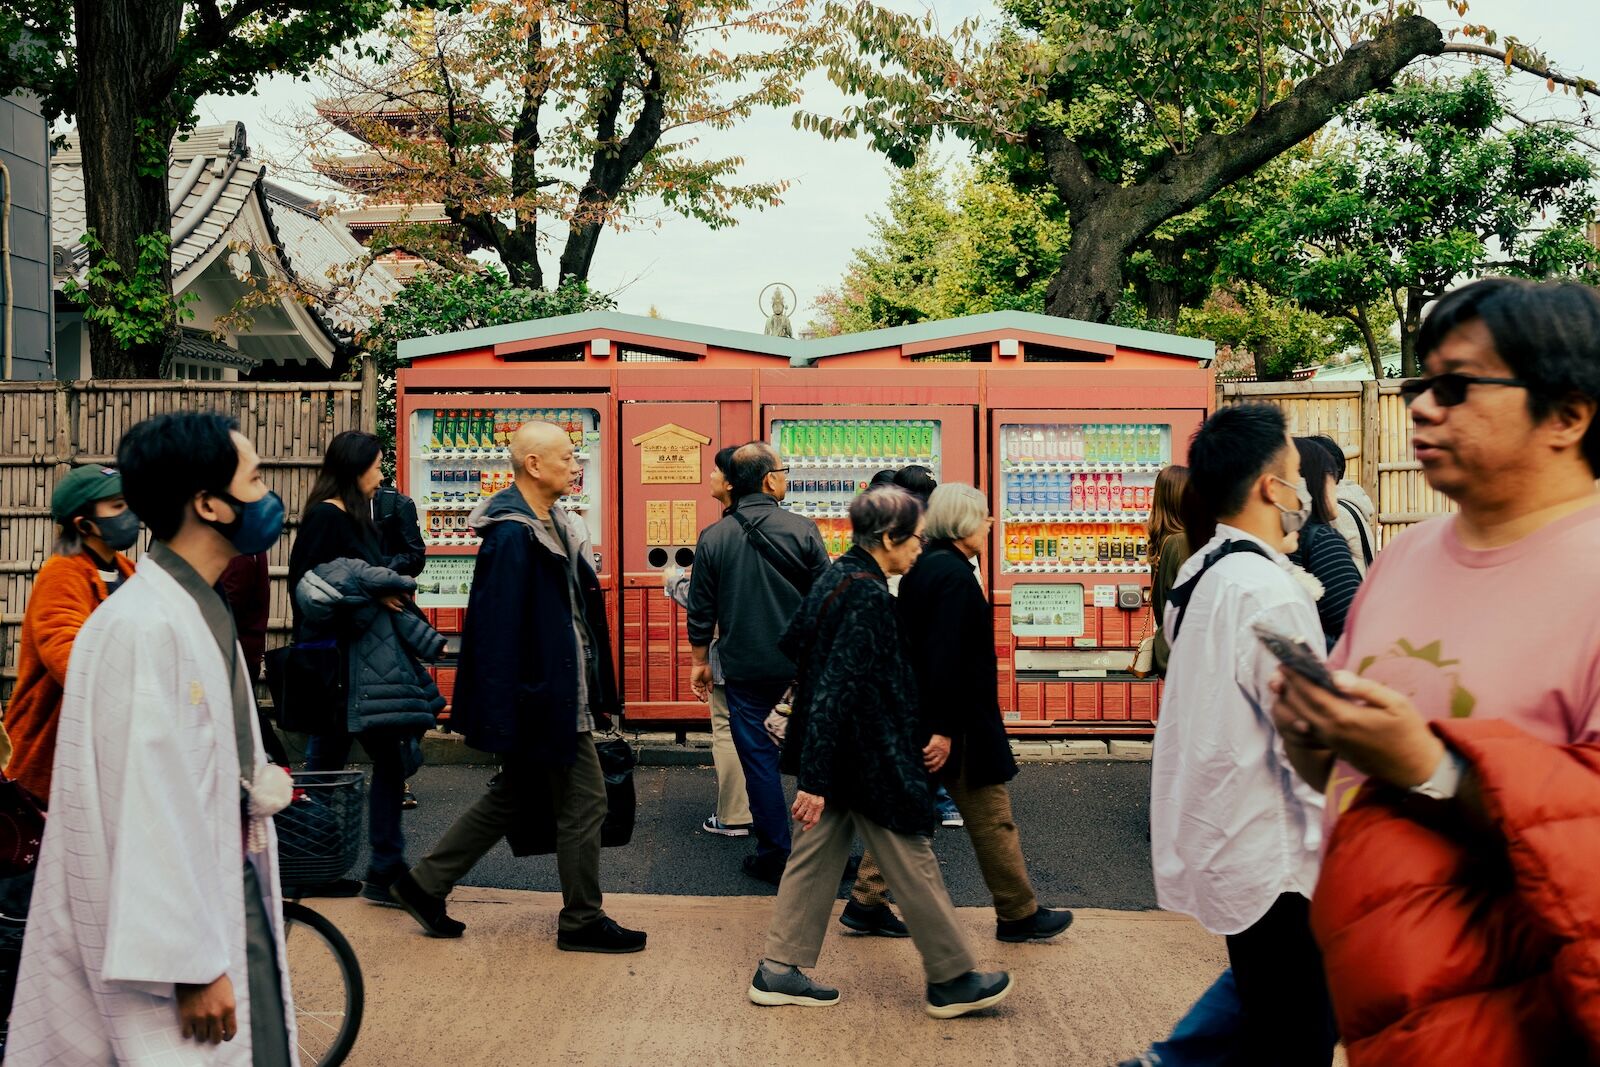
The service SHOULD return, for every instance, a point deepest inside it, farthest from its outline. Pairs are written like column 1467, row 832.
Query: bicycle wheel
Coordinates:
column 325, row 980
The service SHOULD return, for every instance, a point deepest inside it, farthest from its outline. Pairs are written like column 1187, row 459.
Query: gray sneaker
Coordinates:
column 771, row 989
column 970, row 992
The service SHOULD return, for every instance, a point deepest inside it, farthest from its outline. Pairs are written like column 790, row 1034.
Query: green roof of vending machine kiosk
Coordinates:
column 1054, row 339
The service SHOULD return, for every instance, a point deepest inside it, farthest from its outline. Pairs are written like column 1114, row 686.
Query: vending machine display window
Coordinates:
column 461, row 456
column 830, row 461
column 1075, row 498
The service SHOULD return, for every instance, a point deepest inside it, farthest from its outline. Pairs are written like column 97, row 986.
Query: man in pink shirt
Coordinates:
column 1457, row 884
column 1488, row 613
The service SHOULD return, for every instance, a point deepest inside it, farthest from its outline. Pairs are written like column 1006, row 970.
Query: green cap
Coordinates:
column 83, row 486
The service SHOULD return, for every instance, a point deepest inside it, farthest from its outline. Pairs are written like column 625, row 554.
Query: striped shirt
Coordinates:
column 1326, row 555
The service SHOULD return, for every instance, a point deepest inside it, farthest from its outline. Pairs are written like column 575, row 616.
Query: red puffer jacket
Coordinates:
column 1441, row 954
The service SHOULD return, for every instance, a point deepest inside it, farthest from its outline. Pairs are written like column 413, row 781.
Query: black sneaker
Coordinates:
column 771, row 989
column 971, row 992
column 879, row 919
column 424, row 907
column 602, row 935
column 408, row 800
column 376, row 888
column 769, row 871
column 1042, row 925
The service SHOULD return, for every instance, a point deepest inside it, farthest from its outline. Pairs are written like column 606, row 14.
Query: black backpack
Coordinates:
column 1180, row 597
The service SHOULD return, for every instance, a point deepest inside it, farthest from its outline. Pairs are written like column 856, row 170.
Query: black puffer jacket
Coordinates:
column 854, row 736
column 388, row 687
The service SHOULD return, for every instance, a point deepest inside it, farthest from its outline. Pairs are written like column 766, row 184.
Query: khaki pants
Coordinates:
column 986, row 810
column 578, row 795
column 811, row 881
column 733, row 801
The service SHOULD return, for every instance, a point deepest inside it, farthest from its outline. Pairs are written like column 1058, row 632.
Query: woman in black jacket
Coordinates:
column 1323, row 552
column 337, row 524
column 949, row 627
column 856, row 747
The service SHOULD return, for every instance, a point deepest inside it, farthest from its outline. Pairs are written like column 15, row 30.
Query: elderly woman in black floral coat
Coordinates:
column 854, row 743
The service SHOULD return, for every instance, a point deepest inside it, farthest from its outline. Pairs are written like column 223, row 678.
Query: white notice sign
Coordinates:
column 1047, row 610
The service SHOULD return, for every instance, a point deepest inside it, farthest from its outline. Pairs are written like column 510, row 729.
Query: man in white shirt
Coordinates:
column 1235, row 834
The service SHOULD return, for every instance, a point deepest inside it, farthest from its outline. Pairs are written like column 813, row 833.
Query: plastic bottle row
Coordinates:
column 836, row 534
column 885, row 439
column 1109, row 545
column 1059, row 493
column 468, row 485
column 1108, row 443
column 479, row 430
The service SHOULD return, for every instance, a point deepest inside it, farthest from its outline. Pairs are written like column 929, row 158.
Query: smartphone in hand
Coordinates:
column 1297, row 656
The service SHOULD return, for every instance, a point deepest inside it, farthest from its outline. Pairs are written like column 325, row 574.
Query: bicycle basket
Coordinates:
column 319, row 833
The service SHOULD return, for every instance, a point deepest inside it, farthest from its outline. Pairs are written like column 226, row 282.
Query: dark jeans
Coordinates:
column 329, row 752
column 1277, row 967
column 748, row 705
column 1208, row 1036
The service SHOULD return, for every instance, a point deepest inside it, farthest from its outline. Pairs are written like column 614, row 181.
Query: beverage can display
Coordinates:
column 875, row 440
column 847, row 438
column 925, row 439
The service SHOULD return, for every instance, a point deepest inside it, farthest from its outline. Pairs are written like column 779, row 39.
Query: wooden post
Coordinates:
column 369, row 394
column 1371, row 429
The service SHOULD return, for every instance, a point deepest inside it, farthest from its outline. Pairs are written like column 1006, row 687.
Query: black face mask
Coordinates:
column 119, row 532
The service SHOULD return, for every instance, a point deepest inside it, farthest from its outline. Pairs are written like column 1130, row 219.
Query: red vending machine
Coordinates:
column 1071, row 491
column 836, row 429
column 455, row 454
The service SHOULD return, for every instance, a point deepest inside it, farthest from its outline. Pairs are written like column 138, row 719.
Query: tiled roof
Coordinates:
column 320, row 250
column 209, row 178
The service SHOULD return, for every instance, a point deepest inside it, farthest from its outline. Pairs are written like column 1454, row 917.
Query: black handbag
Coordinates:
column 308, row 686
column 535, row 831
column 21, row 828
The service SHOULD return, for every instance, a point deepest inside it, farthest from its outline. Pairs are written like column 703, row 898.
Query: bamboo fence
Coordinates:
column 1371, row 421
column 46, row 428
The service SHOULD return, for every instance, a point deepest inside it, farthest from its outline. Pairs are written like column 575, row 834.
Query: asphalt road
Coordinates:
column 1084, row 829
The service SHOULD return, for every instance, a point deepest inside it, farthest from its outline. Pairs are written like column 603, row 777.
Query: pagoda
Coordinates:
column 369, row 175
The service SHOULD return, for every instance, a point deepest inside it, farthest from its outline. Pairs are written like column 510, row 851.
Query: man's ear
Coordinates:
column 205, row 506
column 1568, row 421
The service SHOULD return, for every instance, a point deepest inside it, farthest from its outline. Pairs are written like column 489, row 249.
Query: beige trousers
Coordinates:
column 733, row 800
column 811, row 881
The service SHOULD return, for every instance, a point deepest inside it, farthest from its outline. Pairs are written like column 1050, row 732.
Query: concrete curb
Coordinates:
column 441, row 749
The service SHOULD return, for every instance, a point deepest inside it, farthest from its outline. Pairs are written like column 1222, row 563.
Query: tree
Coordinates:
column 1137, row 110
column 1421, row 190
column 950, row 244
column 533, row 121
column 1277, row 336
column 436, row 302
column 129, row 73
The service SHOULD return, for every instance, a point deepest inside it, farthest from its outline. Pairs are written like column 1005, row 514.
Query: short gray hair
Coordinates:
column 887, row 513
column 955, row 511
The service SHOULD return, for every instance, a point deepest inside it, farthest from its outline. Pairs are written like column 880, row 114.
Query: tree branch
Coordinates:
column 1582, row 85
column 1180, row 183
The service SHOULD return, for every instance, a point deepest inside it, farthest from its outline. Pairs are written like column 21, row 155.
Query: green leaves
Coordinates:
column 138, row 307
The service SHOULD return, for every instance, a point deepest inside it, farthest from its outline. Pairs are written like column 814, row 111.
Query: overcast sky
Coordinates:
column 693, row 274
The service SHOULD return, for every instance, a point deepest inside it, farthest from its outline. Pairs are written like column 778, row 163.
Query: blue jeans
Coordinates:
column 329, row 752
column 1209, row 1035
column 748, row 705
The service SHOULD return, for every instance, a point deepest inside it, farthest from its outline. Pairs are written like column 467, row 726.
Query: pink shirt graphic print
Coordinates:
column 1504, row 633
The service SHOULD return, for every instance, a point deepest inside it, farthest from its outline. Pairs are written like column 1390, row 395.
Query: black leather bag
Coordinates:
column 535, row 832
column 308, row 683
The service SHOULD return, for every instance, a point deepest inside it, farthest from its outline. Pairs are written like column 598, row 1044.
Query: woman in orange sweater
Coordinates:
column 87, row 567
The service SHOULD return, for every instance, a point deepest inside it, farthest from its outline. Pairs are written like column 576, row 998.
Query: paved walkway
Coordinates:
column 504, row 995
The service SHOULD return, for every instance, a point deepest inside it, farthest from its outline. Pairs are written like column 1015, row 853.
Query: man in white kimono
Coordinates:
column 156, row 933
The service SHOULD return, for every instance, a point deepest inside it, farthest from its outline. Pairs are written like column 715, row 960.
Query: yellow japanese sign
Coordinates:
column 657, row 523
column 670, row 454
column 685, row 522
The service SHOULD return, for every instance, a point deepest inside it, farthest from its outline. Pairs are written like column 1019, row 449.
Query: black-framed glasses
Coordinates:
column 779, row 470
column 1450, row 389
column 922, row 539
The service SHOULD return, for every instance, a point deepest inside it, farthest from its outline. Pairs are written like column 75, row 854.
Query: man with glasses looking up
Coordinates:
column 751, row 570
column 1458, row 750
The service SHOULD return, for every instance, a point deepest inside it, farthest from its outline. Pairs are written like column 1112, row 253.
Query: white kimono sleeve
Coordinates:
column 166, row 917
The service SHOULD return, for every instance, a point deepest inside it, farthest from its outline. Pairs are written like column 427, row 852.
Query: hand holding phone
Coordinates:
column 1297, row 656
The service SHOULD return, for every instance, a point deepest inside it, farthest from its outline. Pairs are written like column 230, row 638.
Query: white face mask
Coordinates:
column 1293, row 521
